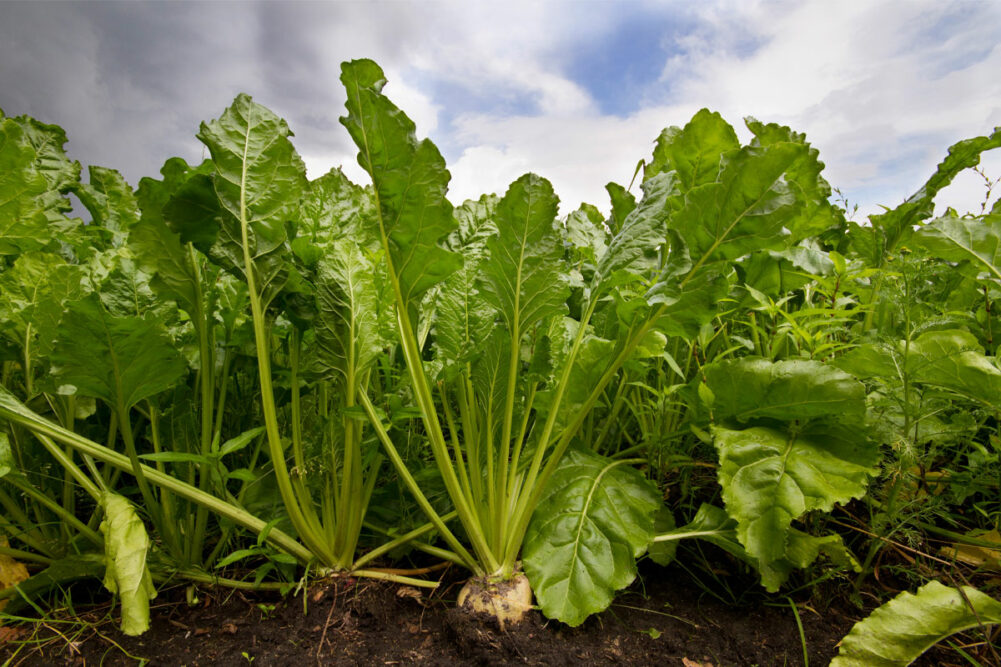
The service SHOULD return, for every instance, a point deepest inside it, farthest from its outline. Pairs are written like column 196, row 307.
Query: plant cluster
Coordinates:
column 236, row 367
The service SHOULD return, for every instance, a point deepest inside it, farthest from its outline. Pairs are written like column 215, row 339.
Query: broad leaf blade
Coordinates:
column 745, row 210
column 585, row 536
column 897, row 633
column 771, row 477
column 119, row 359
column 746, row 389
column 410, row 182
column 694, row 152
column 23, row 223
column 258, row 179
column 524, row 273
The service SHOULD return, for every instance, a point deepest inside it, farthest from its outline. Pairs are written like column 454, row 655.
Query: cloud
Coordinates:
column 881, row 88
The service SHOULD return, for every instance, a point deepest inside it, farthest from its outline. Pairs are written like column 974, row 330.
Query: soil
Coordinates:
column 663, row 619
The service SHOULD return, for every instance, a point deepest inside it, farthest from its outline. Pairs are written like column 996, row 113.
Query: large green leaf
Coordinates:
column 32, row 294
column 524, row 273
column 712, row 524
column 410, row 182
column 334, row 207
column 642, row 234
column 61, row 173
column 746, row 389
column 897, row 633
column 951, row 358
column 110, row 200
column 347, row 326
column 816, row 214
column 887, row 230
column 119, row 359
column 126, row 546
column 258, row 179
column 581, row 546
column 745, row 210
column 771, row 477
column 23, row 223
column 974, row 240
column 694, row 152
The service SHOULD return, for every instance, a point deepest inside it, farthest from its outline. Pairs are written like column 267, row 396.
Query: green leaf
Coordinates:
column 817, row 214
column 581, row 546
column 623, row 203
column 695, row 151
column 32, row 295
column 771, row 477
column 642, row 233
column 524, row 274
column 23, row 222
column 974, row 240
column 258, row 179
column 410, row 182
column 887, row 230
column 951, row 358
column 954, row 359
column 745, row 210
column 159, row 252
column 897, row 633
column 749, row 388
column 240, row 441
column 333, row 207
column 110, row 201
column 58, row 574
column 119, row 359
column 347, row 327
column 7, row 463
column 126, row 545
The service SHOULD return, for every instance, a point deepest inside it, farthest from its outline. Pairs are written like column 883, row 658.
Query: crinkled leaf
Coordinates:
column 954, row 359
column 642, row 234
column 347, row 327
column 126, row 545
column 410, row 182
column 694, row 151
column 897, row 633
column 817, row 213
column 32, row 294
column 110, row 201
column 463, row 319
column 689, row 305
column 119, row 359
column 23, row 222
column 333, row 207
column 974, row 240
column 746, row 389
column 951, row 358
column 172, row 266
column 712, row 524
column 581, row 546
column 771, row 477
column 745, row 210
column 524, row 273
column 258, row 179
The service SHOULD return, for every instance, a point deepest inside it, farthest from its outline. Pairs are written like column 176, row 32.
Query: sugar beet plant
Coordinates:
column 244, row 362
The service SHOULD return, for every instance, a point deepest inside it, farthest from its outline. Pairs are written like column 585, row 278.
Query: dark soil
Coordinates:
column 665, row 619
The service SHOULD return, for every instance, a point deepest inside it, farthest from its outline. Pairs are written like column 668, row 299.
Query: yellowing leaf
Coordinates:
column 11, row 571
column 975, row 555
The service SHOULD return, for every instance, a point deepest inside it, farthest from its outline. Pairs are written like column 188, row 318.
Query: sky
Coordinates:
column 574, row 91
